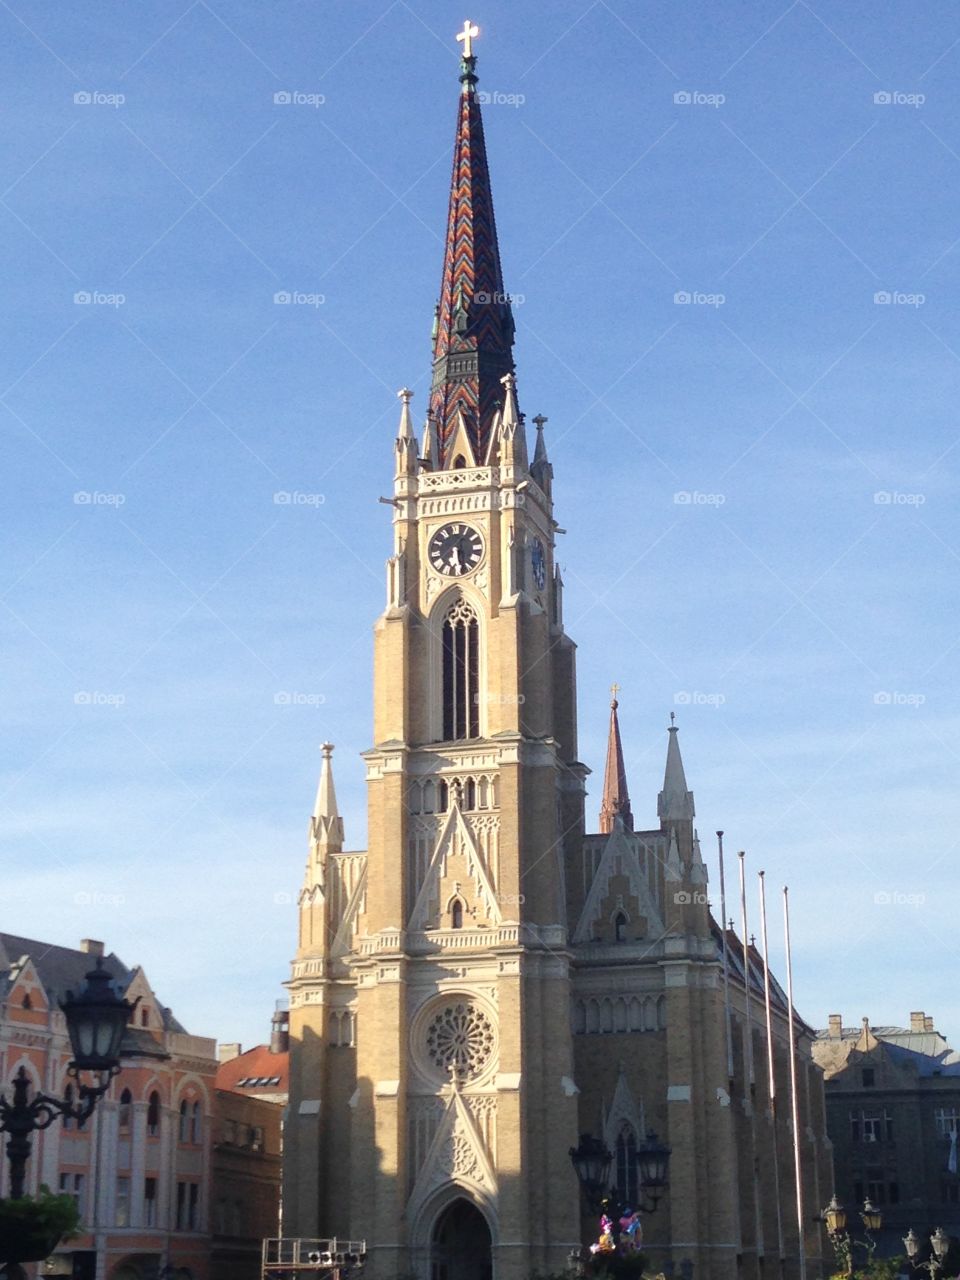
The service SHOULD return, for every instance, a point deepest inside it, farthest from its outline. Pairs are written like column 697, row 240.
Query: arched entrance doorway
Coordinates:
column 461, row 1246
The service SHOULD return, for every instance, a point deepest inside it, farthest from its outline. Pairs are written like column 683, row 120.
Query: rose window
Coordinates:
column 461, row 1039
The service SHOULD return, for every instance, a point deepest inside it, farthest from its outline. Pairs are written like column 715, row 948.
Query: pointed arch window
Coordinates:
column 126, row 1101
column 461, row 673
column 153, row 1115
column 456, row 914
column 620, row 927
column 626, row 1154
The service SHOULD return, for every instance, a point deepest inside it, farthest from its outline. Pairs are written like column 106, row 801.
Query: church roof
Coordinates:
column 473, row 329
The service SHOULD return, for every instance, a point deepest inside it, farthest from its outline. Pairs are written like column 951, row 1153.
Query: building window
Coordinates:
column 26, row 1002
column 946, row 1120
column 868, row 1077
column 461, row 673
column 626, row 1153
column 195, row 1122
column 144, row 1017
column 181, row 1205
column 123, row 1202
column 456, row 914
column 184, row 1130
column 873, row 1124
column 620, row 927
column 877, row 1186
column 68, row 1120
column 126, row 1099
column 153, row 1115
column 193, row 1204
column 71, row 1184
column 150, row 1202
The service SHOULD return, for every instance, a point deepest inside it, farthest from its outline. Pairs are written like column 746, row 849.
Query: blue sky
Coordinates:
column 176, row 647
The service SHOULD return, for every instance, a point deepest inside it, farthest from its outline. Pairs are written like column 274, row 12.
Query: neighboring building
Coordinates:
column 246, row 1183
column 261, row 1072
column 487, row 981
column 893, row 1113
column 140, row 1167
column 251, row 1092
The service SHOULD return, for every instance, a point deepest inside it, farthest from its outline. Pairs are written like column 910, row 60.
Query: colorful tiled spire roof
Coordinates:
column 473, row 328
column 616, row 798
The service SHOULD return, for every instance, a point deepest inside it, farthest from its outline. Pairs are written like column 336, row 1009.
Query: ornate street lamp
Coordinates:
column 96, row 1017
column 592, row 1160
column 939, row 1243
column 835, row 1217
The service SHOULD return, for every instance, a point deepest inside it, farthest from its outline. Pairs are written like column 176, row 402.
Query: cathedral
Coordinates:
column 496, row 974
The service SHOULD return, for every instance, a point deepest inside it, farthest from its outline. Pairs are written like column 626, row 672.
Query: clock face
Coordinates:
column 538, row 560
column 455, row 549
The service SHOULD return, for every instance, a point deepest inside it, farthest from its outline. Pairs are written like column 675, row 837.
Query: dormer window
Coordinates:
column 459, row 462
column 26, row 1002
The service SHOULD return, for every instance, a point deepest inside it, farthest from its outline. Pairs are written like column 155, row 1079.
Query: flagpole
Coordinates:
column 794, row 1109
column 751, row 1074
column 772, row 1074
column 726, row 963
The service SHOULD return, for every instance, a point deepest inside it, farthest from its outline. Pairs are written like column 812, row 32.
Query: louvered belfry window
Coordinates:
column 461, row 673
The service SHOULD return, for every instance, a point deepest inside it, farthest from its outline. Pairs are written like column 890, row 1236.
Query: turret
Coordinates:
column 326, row 825
column 406, row 442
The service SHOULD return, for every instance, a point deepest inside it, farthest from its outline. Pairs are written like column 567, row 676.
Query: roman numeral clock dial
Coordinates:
column 455, row 549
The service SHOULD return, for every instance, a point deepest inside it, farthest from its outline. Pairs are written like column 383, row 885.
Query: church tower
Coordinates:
column 488, row 980
column 430, row 998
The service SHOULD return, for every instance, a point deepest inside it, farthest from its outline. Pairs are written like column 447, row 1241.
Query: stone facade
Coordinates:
column 488, row 979
column 893, row 1115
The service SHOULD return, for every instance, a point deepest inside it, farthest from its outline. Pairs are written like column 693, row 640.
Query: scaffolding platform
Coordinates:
column 332, row 1259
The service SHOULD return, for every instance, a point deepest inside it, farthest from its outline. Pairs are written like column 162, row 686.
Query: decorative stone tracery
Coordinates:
column 460, row 1039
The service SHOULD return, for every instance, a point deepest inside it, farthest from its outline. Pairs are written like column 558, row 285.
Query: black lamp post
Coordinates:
column 835, row 1217
column 939, row 1243
column 592, row 1160
column 96, row 1018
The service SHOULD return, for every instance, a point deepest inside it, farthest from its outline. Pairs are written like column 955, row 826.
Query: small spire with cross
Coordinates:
column 467, row 35
column 673, row 718
column 614, row 690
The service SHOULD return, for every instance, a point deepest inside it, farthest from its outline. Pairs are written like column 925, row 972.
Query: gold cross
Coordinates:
column 467, row 35
column 614, row 690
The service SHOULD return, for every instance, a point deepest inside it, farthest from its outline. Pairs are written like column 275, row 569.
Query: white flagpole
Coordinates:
column 772, row 1075
column 726, row 962
column 751, row 1075
column 794, row 1108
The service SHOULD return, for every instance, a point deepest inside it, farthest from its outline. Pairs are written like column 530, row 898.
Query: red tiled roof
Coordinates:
column 256, row 1071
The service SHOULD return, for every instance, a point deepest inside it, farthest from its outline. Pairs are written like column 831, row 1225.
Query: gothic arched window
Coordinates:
column 626, row 1153
column 456, row 914
column 153, row 1115
column 620, row 927
column 461, row 673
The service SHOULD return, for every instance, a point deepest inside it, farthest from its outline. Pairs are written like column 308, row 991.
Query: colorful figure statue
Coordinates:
column 631, row 1231
column 605, row 1243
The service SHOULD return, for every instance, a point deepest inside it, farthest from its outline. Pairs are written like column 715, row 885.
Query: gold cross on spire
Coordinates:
column 614, row 690
column 470, row 30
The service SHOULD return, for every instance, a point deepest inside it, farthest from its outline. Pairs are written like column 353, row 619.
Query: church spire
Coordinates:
column 473, row 326
column 675, row 801
column 616, row 799
column 326, row 825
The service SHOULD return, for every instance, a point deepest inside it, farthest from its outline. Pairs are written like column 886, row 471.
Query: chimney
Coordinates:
column 836, row 1026
column 227, row 1052
column 280, row 1032
column 91, row 947
column 918, row 1021
column 928, row 1022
